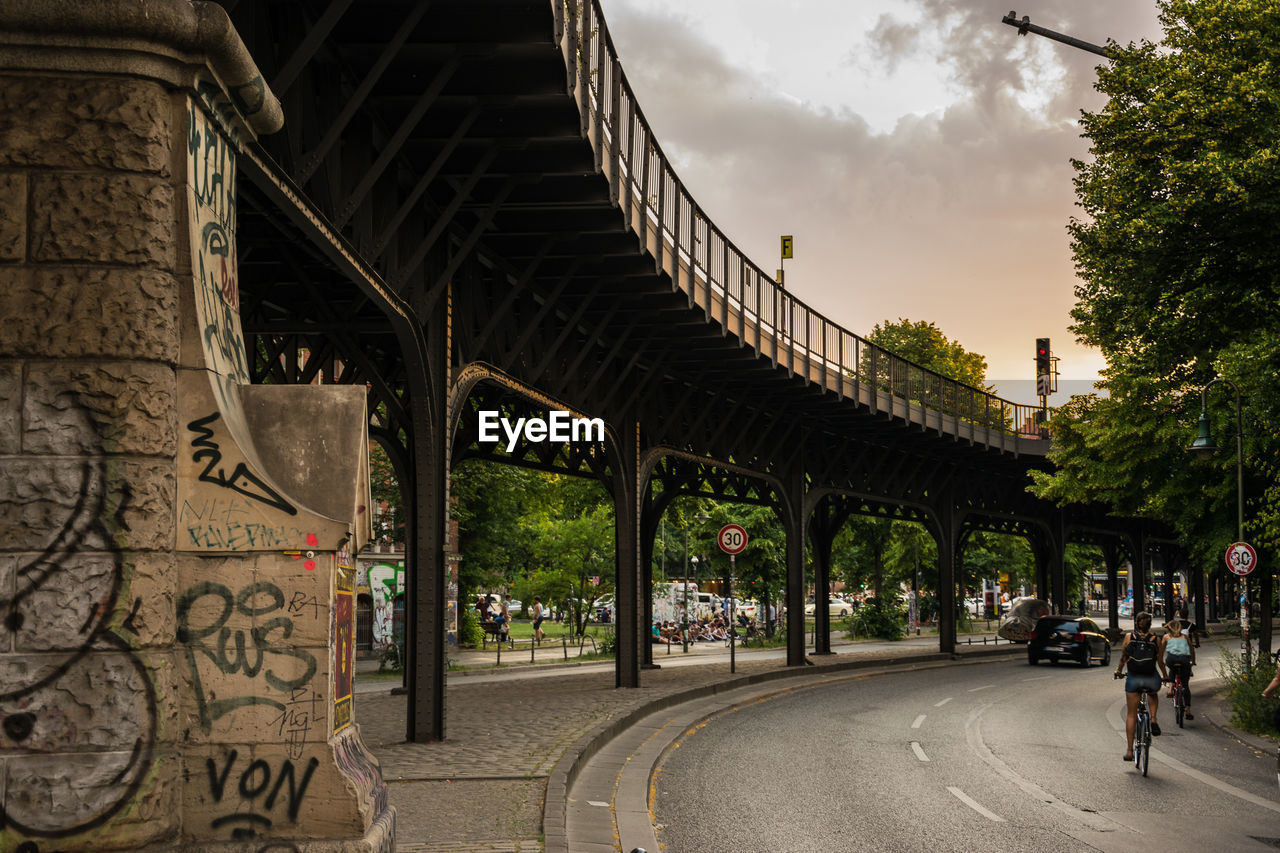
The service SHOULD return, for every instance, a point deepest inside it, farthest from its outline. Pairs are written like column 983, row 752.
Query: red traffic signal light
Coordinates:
column 1042, row 357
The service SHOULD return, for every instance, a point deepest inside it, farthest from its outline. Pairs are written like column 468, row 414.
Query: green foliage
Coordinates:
column 469, row 631
column 878, row 617
column 384, row 488
column 1178, row 256
column 924, row 344
column 1249, row 710
column 391, row 660
column 608, row 644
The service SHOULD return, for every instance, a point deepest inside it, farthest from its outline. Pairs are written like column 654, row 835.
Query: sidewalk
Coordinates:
column 486, row 786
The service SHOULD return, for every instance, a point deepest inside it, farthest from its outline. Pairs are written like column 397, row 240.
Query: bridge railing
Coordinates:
column 732, row 290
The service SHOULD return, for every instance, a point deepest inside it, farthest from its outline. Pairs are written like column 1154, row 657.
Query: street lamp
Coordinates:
column 1204, row 448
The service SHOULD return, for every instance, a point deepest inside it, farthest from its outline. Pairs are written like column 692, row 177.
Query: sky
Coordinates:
column 918, row 152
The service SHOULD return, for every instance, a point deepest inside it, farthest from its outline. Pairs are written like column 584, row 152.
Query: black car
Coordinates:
column 1071, row 638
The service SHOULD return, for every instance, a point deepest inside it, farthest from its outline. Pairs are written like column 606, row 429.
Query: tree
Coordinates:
column 1179, row 256
column 924, row 344
column 384, row 489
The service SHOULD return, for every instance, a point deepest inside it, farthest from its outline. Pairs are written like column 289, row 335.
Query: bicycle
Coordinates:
column 1179, row 699
column 1142, row 731
column 1142, row 734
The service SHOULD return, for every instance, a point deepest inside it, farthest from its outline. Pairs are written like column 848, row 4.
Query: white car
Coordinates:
column 835, row 607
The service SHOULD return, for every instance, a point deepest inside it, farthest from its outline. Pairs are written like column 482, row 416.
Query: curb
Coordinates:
column 565, row 772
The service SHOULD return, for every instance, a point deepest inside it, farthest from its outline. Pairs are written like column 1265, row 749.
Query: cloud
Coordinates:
column 956, row 214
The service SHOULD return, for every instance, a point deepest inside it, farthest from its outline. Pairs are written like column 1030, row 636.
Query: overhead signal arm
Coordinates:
column 1025, row 26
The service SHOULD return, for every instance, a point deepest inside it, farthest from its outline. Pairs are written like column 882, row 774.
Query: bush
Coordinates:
column 390, row 660
column 876, row 618
column 1249, row 711
column 469, row 630
column 608, row 644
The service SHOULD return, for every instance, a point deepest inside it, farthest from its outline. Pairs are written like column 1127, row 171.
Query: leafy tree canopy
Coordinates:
column 925, row 344
column 1179, row 256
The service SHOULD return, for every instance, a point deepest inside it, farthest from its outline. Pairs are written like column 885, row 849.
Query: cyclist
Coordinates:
column 1143, row 652
column 1180, row 656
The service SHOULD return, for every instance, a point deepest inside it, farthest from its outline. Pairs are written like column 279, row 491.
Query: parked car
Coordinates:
column 1076, row 639
column 835, row 607
column 515, row 607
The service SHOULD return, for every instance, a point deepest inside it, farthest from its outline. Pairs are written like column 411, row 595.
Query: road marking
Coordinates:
column 597, row 803
column 1117, row 715
column 943, row 702
column 975, row 805
column 1039, row 678
column 915, row 747
column 973, row 736
column 983, row 687
column 919, row 720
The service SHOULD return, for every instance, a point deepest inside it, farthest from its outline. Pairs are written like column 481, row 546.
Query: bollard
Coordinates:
column 532, row 645
column 564, row 644
column 499, row 650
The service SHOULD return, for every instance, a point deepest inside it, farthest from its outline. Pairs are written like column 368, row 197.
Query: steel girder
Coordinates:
column 444, row 204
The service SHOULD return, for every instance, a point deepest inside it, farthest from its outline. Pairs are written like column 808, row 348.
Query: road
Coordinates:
column 989, row 756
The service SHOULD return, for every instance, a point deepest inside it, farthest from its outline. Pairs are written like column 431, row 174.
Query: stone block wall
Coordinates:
column 88, row 435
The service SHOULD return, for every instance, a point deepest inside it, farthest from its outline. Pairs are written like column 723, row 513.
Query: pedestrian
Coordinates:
column 536, row 611
column 1268, row 692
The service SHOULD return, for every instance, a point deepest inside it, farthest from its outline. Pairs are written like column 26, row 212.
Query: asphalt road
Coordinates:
column 990, row 756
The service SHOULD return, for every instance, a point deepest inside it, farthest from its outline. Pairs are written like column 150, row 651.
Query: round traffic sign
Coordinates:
column 732, row 539
column 1241, row 558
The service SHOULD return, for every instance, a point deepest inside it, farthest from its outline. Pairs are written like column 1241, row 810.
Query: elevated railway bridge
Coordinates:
column 467, row 210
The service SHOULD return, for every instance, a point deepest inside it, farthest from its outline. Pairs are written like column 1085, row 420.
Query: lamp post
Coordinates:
column 1204, row 448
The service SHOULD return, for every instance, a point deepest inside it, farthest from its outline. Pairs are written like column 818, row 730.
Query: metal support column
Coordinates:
column 793, row 501
column 1138, row 577
column 426, row 663
column 946, row 532
column 1111, row 557
column 821, row 536
column 629, row 597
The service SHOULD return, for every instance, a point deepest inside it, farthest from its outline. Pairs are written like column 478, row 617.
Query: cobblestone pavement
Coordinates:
column 482, row 788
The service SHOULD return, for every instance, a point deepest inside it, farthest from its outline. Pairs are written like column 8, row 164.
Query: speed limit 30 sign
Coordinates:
column 732, row 539
column 1241, row 558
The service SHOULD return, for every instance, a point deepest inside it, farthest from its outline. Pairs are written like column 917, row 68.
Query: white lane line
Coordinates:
column 915, row 747
column 943, row 702
column 983, row 687
column 1038, row 678
column 919, row 720
column 975, row 805
column 973, row 735
column 1117, row 715
column 598, row 804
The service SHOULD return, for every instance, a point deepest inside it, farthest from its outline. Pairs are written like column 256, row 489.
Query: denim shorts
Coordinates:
column 1134, row 683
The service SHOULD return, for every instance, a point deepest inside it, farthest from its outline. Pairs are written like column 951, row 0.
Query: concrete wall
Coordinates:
column 176, row 579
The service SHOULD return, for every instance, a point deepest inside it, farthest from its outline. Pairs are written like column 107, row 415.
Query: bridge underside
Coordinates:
column 465, row 210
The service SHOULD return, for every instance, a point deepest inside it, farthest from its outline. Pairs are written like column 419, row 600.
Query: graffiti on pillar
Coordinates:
column 77, row 705
column 260, row 791
column 211, row 218
column 265, row 668
column 241, row 479
column 385, row 583
column 344, row 642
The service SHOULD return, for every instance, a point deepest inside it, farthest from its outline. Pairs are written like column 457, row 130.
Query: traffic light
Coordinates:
column 1042, row 356
column 1044, row 369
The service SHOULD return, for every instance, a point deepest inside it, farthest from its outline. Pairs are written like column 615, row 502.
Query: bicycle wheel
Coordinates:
column 1143, row 758
column 1179, row 703
column 1142, row 740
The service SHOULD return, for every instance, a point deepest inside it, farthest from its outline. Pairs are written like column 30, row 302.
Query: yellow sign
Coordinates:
column 786, row 247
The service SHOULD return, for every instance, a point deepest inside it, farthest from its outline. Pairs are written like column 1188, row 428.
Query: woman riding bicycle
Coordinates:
column 1180, row 656
column 1144, row 652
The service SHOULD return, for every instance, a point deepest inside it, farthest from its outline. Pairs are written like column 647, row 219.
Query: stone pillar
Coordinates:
column 176, row 581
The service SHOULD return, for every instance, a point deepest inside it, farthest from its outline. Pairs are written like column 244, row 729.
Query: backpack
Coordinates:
column 1142, row 655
